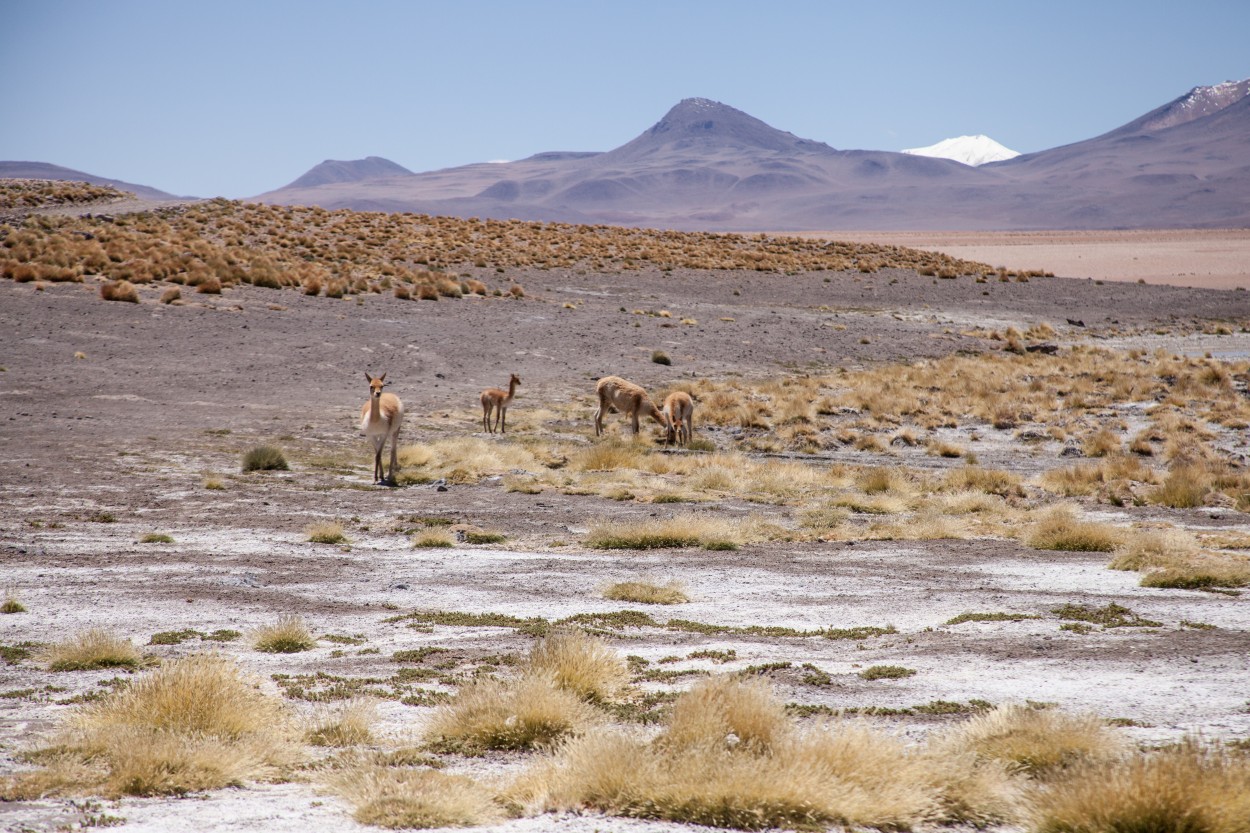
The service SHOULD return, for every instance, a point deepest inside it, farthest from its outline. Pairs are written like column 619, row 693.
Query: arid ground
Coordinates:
column 120, row 420
column 1209, row 258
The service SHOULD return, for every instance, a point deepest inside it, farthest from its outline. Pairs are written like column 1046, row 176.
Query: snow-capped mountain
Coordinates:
column 970, row 150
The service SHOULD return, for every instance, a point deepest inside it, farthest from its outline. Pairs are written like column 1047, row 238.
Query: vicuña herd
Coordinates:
column 382, row 415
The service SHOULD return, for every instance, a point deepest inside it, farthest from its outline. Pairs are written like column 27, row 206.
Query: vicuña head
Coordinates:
column 380, row 419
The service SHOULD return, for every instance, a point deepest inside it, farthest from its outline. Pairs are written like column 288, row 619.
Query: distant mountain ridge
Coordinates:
column 706, row 165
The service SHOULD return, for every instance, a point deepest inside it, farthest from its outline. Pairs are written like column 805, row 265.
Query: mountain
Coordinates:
column 705, row 165
column 970, row 150
column 43, row 170
column 358, row 170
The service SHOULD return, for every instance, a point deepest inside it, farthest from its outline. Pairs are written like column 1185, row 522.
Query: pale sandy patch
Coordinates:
column 1208, row 258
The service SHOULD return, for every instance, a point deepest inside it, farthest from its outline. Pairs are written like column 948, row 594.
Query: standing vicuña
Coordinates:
column 679, row 411
column 497, row 400
column 380, row 419
column 629, row 399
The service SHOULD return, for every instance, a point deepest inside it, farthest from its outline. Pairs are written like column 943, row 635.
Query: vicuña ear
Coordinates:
column 382, row 378
column 368, row 378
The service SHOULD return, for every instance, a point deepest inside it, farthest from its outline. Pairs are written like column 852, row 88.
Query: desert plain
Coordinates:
column 876, row 452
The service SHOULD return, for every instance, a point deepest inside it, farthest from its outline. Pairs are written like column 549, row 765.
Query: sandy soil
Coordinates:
column 1212, row 259
column 164, row 395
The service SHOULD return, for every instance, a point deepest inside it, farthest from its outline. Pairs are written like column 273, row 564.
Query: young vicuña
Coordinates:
column 497, row 400
column 380, row 419
column 629, row 399
column 679, row 411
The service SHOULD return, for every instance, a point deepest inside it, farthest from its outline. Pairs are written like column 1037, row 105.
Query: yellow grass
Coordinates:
column 1060, row 529
column 289, row 635
column 683, row 530
column 731, row 758
column 1185, row 788
column 89, row 649
column 347, row 724
column 1034, row 740
column 194, row 724
column 527, row 713
column 416, row 798
column 579, row 663
column 646, row 592
column 461, row 460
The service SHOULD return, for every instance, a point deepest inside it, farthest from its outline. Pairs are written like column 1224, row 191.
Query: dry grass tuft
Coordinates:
column 349, row 724
column 1034, row 740
column 90, row 649
column 1185, row 487
column 580, row 663
column 686, row 530
column 416, row 798
column 12, row 604
column 1188, row 788
column 265, row 458
column 1059, row 529
column 731, row 758
column 326, row 532
column 290, row 635
column 645, row 592
column 119, row 291
column 530, row 712
column 194, row 724
column 463, row 460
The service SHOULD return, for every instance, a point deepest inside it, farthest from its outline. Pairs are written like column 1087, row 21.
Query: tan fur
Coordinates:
column 679, row 411
column 380, row 419
column 497, row 400
column 629, row 399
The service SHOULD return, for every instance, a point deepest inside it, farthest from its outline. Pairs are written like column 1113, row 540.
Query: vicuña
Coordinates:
column 497, row 401
column 629, row 399
column 380, row 419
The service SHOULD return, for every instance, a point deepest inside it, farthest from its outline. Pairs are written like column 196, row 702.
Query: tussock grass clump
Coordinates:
column 580, row 663
column 1201, row 571
column 12, row 604
column 645, row 592
column 94, row 648
column 687, row 530
column 462, row 460
column 289, row 635
column 1059, row 529
column 528, row 713
column 194, row 724
column 326, row 532
column 265, row 458
column 887, row 672
column 990, row 481
column 119, row 291
column 1185, row 487
column 1154, row 549
column 1034, row 740
column 349, row 724
column 416, row 798
column 433, row 539
column 1189, row 787
column 156, row 538
column 731, row 758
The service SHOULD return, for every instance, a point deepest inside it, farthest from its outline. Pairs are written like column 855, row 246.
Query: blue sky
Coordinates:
column 235, row 98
